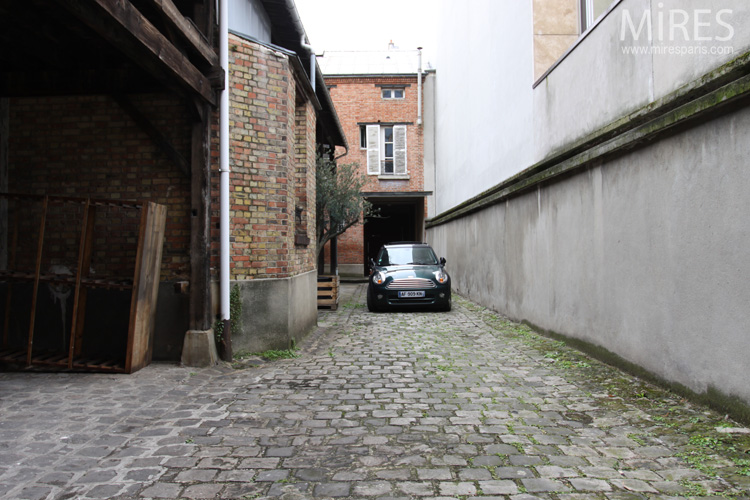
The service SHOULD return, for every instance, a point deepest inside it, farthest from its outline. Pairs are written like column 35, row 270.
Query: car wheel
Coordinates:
column 447, row 305
column 371, row 306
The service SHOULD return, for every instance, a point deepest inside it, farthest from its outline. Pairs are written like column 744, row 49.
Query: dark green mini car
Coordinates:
column 408, row 275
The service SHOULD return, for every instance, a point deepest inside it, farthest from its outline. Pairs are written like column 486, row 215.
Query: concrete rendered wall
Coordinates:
column 645, row 256
column 276, row 313
column 645, row 252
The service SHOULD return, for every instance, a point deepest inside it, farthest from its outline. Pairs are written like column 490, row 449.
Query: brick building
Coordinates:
column 378, row 100
column 124, row 110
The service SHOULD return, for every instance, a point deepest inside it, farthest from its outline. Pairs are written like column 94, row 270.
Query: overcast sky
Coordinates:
column 370, row 25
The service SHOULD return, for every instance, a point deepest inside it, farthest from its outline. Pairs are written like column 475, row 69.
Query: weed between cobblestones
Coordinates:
column 721, row 457
column 372, row 406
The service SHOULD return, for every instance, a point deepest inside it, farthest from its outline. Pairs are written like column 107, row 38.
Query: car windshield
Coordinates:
column 405, row 256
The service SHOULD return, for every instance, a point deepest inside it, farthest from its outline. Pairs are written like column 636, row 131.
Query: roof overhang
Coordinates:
column 288, row 32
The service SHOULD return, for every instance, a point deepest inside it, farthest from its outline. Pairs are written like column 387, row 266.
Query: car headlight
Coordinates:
column 441, row 276
column 378, row 278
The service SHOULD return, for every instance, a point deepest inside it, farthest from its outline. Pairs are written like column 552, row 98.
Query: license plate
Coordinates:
column 410, row 295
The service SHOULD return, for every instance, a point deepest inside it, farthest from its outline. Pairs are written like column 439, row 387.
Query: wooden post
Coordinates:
column 40, row 247
column 4, row 131
column 80, row 294
column 13, row 248
column 200, row 223
column 334, row 256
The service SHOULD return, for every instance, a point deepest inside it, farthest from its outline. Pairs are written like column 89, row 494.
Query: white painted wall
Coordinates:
column 600, row 81
column 645, row 254
column 491, row 123
column 483, row 96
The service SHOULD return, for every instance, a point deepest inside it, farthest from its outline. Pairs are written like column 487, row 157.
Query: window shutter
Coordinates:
column 373, row 149
column 399, row 149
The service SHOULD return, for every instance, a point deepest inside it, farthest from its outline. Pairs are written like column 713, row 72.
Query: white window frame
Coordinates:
column 587, row 14
column 376, row 159
column 389, row 93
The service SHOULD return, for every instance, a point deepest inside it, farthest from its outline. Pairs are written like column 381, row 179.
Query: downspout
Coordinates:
column 309, row 48
column 226, row 351
column 419, row 87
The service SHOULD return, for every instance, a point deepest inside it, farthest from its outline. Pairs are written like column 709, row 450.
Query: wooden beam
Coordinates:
column 120, row 23
column 77, row 82
column 150, row 129
column 187, row 31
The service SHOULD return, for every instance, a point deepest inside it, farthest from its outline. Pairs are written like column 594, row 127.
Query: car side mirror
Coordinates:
column 372, row 264
column 442, row 261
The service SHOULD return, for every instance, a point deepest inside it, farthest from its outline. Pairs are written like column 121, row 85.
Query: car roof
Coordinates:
column 405, row 244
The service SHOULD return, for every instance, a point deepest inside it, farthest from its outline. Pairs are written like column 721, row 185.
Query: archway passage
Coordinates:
column 397, row 220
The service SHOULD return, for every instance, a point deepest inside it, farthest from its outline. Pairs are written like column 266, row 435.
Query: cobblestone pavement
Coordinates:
column 414, row 405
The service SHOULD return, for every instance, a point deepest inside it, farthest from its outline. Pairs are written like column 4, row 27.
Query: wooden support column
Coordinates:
column 200, row 223
column 4, row 132
column 334, row 256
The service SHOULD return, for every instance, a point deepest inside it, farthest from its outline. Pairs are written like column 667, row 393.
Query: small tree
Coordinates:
column 339, row 203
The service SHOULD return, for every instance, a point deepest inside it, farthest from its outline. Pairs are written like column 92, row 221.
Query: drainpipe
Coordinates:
column 309, row 48
column 419, row 87
column 224, row 182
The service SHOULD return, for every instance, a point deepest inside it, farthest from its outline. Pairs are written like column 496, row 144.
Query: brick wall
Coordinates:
column 358, row 101
column 272, row 146
column 89, row 147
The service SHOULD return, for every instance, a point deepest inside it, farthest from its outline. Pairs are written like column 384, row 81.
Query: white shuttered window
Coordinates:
column 373, row 149
column 386, row 149
column 399, row 149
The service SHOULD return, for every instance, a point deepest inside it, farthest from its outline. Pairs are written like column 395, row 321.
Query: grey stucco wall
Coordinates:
column 276, row 312
column 645, row 255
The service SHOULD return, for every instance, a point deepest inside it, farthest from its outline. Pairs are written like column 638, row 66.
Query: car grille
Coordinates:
column 410, row 283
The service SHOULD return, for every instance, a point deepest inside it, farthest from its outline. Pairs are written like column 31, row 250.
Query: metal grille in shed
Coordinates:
column 79, row 282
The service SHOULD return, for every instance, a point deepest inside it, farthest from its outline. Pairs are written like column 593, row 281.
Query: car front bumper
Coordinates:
column 437, row 297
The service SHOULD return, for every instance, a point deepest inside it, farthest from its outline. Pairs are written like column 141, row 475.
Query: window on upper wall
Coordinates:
column 558, row 25
column 386, row 149
column 590, row 10
column 392, row 93
column 249, row 17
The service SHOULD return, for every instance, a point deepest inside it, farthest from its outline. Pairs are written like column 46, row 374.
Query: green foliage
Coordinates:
column 273, row 355
column 338, row 202
column 235, row 315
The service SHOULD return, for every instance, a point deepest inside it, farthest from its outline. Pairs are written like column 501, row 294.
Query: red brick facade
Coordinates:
column 358, row 101
column 89, row 147
column 272, row 180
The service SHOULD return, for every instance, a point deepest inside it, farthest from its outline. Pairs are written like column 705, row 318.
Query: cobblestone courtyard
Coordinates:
column 414, row 405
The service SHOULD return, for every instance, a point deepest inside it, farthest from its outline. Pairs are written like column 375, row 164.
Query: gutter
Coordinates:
column 316, row 76
column 419, row 87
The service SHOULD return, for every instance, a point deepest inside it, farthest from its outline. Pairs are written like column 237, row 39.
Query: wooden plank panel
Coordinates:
column 145, row 287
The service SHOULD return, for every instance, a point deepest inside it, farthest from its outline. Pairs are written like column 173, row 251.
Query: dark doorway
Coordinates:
column 396, row 221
